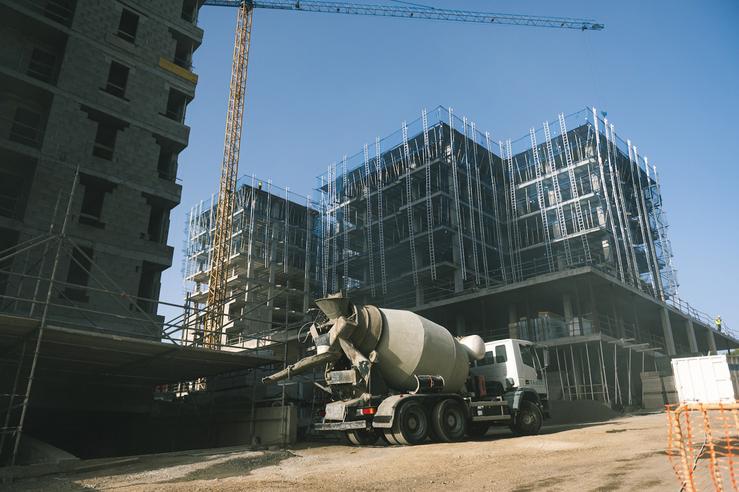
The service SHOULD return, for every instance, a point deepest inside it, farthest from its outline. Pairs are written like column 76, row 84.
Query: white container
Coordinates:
column 707, row 379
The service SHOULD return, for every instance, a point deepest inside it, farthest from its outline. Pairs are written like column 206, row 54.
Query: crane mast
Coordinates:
column 221, row 252
column 223, row 230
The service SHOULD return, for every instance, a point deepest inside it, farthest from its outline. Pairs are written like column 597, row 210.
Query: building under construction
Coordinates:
column 272, row 271
column 558, row 237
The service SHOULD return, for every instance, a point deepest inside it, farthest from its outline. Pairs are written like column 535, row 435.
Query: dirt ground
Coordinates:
column 622, row 454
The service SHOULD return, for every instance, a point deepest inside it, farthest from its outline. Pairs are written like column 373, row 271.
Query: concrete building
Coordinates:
column 103, row 85
column 273, row 272
column 558, row 237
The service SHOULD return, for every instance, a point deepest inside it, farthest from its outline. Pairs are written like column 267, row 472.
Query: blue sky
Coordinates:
column 322, row 85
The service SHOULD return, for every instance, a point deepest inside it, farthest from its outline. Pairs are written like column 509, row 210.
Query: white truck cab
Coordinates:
column 512, row 362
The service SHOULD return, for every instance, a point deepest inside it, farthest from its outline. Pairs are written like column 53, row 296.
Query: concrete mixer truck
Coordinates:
column 395, row 375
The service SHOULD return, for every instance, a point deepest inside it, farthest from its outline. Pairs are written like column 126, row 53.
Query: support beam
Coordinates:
column 664, row 317
column 711, row 342
column 513, row 321
column 690, row 329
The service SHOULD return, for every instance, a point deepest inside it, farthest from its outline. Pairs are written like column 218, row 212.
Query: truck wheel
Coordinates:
column 411, row 424
column 528, row 419
column 362, row 437
column 390, row 437
column 449, row 420
column 477, row 430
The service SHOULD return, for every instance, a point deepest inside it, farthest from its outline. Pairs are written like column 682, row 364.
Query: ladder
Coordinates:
column 573, row 186
column 429, row 202
column 516, row 253
column 380, row 217
column 367, row 199
column 455, row 185
column 473, row 229
column 479, row 209
column 542, row 200
column 409, row 204
column 496, row 208
column 557, row 194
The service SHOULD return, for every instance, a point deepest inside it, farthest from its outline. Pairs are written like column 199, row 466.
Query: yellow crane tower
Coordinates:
column 217, row 291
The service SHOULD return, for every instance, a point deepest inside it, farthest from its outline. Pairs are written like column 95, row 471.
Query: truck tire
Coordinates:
column 477, row 430
column 449, row 421
column 411, row 424
column 389, row 437
column 528, row 419
column 362, row 437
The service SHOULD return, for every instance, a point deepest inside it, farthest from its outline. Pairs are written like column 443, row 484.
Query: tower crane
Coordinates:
column 213, row 323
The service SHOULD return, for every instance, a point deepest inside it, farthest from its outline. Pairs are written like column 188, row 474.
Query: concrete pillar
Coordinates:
column 664, row 317
column 512, row 321
column 567, row 311
column 460, row 324
column 711, row 342
column 691, row 336
column 419, row 294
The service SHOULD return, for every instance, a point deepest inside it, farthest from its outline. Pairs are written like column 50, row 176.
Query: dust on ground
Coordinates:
column 622, row 454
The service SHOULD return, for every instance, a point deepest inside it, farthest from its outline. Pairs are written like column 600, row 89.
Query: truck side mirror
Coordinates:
column 545, row 353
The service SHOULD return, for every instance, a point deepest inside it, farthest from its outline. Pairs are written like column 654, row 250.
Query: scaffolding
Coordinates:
column 272, row 270
column 446, row 213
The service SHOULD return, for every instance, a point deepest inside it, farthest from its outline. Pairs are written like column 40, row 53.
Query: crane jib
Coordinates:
column 417, row 12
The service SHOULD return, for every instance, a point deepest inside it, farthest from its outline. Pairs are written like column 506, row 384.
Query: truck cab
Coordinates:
column 514, row 364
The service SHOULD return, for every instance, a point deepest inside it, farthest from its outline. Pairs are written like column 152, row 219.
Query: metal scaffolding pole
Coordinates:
column 483, row 239
column 470, row 201
column 429, row 201
column 496, row 209
column 380, row 217
column 652, row 245
column 516, row 252
column 368, row 233
column 539, row 170
column 603, row 373
column 557, row 194
column 590, row 372
column 623, row 215
column 664, row 241
column 573, row 188
column 334, row 230
column 44, row 317
column 409, row 203
column 457, row 206
column 606, row 196
column 344, row 226
column 643, row 219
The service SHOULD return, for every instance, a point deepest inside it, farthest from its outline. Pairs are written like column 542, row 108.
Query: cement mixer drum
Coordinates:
column 412, row 345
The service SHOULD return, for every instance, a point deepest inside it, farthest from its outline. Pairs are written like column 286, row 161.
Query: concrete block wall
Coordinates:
column 89, row 46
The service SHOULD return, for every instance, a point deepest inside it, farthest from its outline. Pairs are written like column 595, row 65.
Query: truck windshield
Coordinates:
column 527, row 355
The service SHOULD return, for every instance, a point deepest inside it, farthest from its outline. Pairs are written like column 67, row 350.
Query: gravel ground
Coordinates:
column 622, row 454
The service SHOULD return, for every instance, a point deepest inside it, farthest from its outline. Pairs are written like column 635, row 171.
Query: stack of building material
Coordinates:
column 658, row 390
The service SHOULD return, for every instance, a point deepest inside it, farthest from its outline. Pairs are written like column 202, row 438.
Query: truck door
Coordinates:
column 493, row 366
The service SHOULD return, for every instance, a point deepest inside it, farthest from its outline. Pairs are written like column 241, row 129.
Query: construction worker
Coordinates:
column 718, row 323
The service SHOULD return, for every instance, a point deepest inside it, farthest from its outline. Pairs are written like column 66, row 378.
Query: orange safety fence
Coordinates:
column 702, row 445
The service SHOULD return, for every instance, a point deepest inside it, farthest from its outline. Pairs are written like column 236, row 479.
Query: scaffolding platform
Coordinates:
column 69, row 354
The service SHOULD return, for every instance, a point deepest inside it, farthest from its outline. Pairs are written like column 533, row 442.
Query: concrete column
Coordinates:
column 460, row 324
column 419, row 294
column 567, row 311
column 711, row 342
column 664, row 317
column 512, row 321
column 691, row 336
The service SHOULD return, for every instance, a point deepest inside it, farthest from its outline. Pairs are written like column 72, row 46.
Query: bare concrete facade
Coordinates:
column 102, row 85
